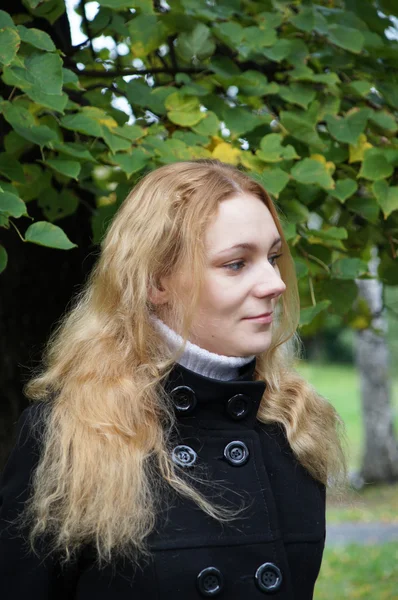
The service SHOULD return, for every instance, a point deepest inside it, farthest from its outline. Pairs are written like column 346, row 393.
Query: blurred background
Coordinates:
column 303, row 96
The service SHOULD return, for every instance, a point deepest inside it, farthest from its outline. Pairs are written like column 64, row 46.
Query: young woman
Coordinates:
column 172, row 451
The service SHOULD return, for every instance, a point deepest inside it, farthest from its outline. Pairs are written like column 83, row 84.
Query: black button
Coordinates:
column 268, row 578
column 184, row 456
column 210, row 582
column 238, row 406
column 236, row 453
column 184, row 399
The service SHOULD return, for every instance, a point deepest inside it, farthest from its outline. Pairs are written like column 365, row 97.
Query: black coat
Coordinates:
column 274, row 547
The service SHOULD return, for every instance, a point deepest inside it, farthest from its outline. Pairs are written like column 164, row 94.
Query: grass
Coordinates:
column 350, row 572
column 340, row 385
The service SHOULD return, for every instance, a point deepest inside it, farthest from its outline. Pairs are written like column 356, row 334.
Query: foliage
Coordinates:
column 302, row 95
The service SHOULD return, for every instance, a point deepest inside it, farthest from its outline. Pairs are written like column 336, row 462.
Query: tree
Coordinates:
column 303, row 96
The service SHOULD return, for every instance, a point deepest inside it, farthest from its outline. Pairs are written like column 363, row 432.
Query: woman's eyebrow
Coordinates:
column 248, row 246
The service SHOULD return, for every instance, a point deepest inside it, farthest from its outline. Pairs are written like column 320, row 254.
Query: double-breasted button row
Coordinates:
column 210, row 581
column 185, row 401
column 236, row 453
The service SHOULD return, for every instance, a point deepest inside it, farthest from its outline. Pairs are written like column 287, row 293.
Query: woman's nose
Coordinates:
column 272, row 285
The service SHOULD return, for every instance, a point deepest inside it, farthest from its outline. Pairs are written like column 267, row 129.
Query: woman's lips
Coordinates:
column 264, row 318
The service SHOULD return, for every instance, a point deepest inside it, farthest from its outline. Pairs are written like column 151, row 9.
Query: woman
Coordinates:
column 171, row 450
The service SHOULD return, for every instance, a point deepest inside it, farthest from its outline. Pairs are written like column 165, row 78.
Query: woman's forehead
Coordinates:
column 240, row 219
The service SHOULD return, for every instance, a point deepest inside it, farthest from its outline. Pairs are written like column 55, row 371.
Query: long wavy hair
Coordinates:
column 105, row 432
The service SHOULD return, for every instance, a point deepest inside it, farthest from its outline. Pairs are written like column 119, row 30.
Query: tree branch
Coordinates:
column 123, row 72
column 87, row 28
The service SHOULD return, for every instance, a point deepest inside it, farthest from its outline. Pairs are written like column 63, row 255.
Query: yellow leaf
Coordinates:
column 215, row 140
column 319, row 157
column 226, row 153
column 251, row 162
column 330, row 167
column 357, row 151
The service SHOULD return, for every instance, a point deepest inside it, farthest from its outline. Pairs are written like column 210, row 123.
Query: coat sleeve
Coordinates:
column 23, row 574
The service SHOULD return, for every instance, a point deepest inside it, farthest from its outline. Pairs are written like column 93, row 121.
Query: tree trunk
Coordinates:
column 380, row 456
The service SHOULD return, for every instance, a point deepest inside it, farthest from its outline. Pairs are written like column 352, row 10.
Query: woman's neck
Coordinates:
column 200, row 360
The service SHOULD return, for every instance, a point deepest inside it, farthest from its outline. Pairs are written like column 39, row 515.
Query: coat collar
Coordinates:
column 203, row 402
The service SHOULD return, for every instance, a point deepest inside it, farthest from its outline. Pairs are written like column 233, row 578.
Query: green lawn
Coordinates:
column 353, row 572
column 340, row 385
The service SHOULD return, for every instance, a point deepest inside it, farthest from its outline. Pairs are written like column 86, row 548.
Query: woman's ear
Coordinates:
column 158, row 294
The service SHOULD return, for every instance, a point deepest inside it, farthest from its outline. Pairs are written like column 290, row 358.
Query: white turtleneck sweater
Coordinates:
column 198, row 359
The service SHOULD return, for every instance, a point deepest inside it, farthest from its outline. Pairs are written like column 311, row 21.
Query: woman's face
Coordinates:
column 241, row 280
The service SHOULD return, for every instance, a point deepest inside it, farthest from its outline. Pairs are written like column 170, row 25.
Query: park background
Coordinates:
column 304, row 96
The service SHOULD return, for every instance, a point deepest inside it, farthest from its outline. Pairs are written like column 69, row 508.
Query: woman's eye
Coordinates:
column 272, row 259
column 239, row 264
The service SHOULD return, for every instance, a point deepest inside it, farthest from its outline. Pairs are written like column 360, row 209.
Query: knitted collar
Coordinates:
column 203, row 361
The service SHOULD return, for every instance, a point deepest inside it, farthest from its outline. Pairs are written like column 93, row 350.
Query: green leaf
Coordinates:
column 9, row 45
column 299, row 126
column 308, row 314
column 271, row 149
column 333, row 233
column 48, row 9
column 209, row 125
column 11, row 205
column 71, row 80
column 346, row 37
column 229, row 32
column 366, row 207
column 253, row 83
column 74, row 149
column 47, row 234
column 131, row 163
column 362, row 87
column 297, row 93
column 113, row 141
column 46, row 72
column 312, row 171
column 348, row 268
column 305, row 20
column 301, row 268
column 375, row 165
column 3, row 258
column 279, row 51
column 37, row 38
column 57, row 205
column 384, row 120
column 36, row 182
column 140, row 94
column 349, row 128
column 69, row 168
column 274, row 180
column 82, row 123
column 183, row 110
column 11, row 168
column 388, row 271
column 6, row 20
column 118, row 4
column 256, row 38
column 24, row 124
column 342, row 294
column 344, row 189
column 240, row 120
column 195, row 44
column 295, row 211
column 387, row 197
column 147, row 33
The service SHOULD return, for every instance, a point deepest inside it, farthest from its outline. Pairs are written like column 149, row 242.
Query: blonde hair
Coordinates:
column 105, row 459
